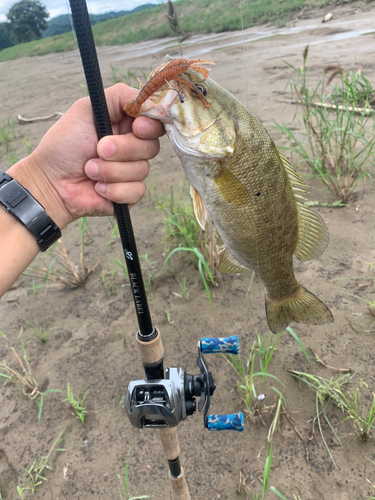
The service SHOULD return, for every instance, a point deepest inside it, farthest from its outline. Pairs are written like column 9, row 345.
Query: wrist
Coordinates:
column 27, row 173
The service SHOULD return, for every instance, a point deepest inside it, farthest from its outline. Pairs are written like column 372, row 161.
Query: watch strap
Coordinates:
column 18, row 201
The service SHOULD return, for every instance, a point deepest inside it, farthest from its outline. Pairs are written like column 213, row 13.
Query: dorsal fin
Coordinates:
column 296, row 182
column 313, row 237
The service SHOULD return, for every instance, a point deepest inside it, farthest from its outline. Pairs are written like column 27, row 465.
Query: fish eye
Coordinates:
column 201, row 89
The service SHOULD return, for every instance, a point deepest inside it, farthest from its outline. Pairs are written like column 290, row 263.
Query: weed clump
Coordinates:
column 24, row 377
column 339, row 127
column 61, row 269
column 79, row 410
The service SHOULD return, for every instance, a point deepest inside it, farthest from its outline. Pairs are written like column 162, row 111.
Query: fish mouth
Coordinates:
column 167, row 106
column 158, row 105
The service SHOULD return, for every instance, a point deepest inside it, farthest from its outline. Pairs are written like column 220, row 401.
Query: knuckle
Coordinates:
column 144, row 169
column 138, row 192
column 154, row 148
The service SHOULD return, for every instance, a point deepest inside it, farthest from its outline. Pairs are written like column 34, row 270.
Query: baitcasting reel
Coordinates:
column 166, row 402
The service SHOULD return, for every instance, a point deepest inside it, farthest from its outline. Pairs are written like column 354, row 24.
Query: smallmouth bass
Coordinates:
column 247, row 187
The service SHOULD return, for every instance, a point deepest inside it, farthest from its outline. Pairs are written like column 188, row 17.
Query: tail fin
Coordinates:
column 301, row 307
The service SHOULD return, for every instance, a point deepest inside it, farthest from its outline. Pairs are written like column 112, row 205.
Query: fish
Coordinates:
column 245, row 185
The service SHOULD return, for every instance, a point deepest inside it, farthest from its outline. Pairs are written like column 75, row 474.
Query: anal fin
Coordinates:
column 228, row 264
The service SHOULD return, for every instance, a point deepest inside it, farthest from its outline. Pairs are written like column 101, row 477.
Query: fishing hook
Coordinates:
column 176, row 90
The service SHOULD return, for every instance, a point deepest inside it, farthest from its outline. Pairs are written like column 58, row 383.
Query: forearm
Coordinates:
column 19, row 247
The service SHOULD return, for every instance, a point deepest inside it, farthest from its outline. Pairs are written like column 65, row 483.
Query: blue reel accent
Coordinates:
column 225, row 344
column 232, row 422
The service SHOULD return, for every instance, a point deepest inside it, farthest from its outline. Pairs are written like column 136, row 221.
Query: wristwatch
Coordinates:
column 18, row 201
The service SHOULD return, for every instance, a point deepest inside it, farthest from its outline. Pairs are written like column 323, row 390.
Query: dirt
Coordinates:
column 92, row 338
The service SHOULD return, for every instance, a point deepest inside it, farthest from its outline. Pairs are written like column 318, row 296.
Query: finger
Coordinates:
column 127, row 148
column 124, row 192
column 147, row 128
column 117, row 96
column 113, row 171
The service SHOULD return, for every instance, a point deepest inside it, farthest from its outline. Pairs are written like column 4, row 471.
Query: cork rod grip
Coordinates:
column 152, row 352
column 179, row 487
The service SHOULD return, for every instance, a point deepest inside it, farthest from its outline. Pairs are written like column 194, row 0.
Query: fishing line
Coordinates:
column 247, row 104
column 243, row 49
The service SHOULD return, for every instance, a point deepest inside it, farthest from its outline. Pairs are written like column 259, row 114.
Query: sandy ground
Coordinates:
column 92, row 343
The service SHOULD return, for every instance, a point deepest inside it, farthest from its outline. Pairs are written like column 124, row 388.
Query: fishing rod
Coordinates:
column 160, row 401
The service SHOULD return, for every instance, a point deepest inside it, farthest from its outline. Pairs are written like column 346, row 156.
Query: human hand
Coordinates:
column 72, row 175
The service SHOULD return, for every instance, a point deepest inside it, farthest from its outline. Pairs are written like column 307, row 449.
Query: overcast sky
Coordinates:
column 57, row 7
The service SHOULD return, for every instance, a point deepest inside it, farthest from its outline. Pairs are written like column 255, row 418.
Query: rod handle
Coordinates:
column 232, row 422
column 180, row 489
column 221, row 344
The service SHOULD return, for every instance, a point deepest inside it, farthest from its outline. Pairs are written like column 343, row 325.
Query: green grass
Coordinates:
column 194, row 16
column 35, row 474
column 13, row 144
column 184, row 234
column 41, row 331
column 79, row 410
column 203, row 267
column 332, row 391
column 123, row 488
column 265, row 482
column 254, row 368
column 59, row 43
column 127, row 77
column 338, row 140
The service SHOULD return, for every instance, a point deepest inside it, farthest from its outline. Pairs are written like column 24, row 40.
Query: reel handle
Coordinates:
column 221, row 344
column 233, row 422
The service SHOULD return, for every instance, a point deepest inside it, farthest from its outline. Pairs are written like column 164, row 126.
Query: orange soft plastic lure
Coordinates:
column 168, row 71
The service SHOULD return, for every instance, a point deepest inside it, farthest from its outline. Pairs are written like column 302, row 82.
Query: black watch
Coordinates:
column 18, row 201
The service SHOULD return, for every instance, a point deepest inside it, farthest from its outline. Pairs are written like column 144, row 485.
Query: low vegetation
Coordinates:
column 338, row 141
column 76, row 403
column 14, row 145
column 23, row 376
column 123, row 485
column 184, row 234
column 35, row 474
column 60, row 268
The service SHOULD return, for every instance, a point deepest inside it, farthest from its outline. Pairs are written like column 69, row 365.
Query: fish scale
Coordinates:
column 249, row 190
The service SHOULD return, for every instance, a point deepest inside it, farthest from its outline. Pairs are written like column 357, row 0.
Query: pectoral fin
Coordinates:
column 230, row 188
column 200, row 209
column 228, row 264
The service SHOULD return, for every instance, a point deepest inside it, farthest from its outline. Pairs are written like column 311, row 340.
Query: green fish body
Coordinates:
column 248, row 189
